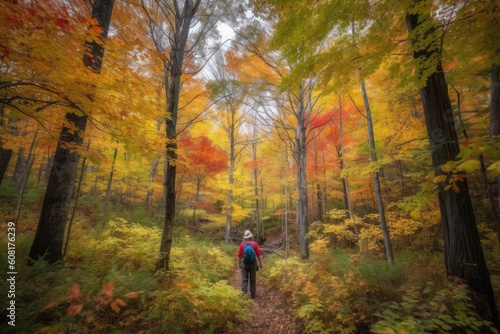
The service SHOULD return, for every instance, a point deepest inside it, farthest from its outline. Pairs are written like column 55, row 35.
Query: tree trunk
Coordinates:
column 319, row 195
column 5, row 154
column 463, row 253
column 152, row 173
column 229, row 203
column 376, row 178
column 50, row 163
column 319, row 199
column 75, row 206
column 301, row 154
column 495, row 124
column 20, row 168
column 24, row 173
column 258, row 223
column 173, row 71
column 196, row 198
column 232, row 163
column 48, row 241
column 345, row 182
column 108, row 189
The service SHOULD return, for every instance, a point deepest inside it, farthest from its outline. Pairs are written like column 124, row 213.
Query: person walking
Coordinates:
column 248, row 256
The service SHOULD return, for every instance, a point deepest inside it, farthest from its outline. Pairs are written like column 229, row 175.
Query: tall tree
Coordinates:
column 200, row 161
column 179, row 34
column 303, row 112
column 172, row 43
column 229, row 92
column 255, row 169
column 463, row 253
column 49, row 235
column 376, row 174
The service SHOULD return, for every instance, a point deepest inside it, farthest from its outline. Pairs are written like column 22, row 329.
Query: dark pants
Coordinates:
column 248, row 269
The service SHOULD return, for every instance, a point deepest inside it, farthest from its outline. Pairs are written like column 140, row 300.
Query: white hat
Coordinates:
column 247, row 235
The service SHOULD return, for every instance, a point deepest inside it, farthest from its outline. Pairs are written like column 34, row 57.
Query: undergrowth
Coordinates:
column 108, row 285
column 338, row 292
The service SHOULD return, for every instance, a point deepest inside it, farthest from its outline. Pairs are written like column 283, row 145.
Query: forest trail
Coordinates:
column 271, row 312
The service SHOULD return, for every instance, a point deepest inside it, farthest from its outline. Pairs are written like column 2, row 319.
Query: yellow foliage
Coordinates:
column 130, row 245
column 240, row 213
column 319, row 247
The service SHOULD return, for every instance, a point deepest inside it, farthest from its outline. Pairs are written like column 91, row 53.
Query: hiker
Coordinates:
column 248, row 255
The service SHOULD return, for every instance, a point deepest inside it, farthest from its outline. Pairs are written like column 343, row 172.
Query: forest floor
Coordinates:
column 271, row 312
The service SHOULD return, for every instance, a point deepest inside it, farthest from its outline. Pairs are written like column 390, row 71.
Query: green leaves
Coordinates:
column 441, row 312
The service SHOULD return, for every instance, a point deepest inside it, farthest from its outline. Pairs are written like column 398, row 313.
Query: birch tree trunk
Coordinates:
column 376, row 177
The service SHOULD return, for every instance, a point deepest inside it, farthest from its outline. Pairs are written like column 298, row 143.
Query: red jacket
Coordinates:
column 254, row 245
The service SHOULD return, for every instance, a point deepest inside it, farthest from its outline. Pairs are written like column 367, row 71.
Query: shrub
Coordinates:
column 422, row 311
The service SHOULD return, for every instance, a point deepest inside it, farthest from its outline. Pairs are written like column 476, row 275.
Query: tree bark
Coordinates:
column 198, row 180
column 5, row 154
column 255, row 176
column 463, row 253
column 75, row 206
column 376, row 178
column 319, row 199
column 232, row 164
column 345, row 182
column 495, row 126
column 301, row 154
column 48, row 241
column 108, row 189
column 173, row 71
column 24, row 173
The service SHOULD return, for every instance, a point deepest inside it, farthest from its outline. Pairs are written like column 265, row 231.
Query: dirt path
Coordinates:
column 271, row 312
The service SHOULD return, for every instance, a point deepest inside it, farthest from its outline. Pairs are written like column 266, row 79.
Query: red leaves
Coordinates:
column 74, row 309
column 132, row 294
column 15, row 22
column 74, row 297
column 254, row 164
column 74, row 293
column 107, row 290
column 77, row 300
column 115, row 305
column 202, row 156
column 62, row 23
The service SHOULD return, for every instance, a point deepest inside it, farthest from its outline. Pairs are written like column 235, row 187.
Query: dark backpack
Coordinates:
column 249, row 255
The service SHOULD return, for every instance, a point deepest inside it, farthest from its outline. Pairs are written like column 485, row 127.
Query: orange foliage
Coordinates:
column 200, row 156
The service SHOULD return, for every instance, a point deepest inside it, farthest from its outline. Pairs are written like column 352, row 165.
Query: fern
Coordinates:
column 445, row 311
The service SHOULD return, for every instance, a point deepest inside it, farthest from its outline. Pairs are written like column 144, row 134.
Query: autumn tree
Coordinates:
column 291, row 106
column 200, row 161
column 49, row 237
column 229, row 94
column 180, row 35
column 463, row 252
